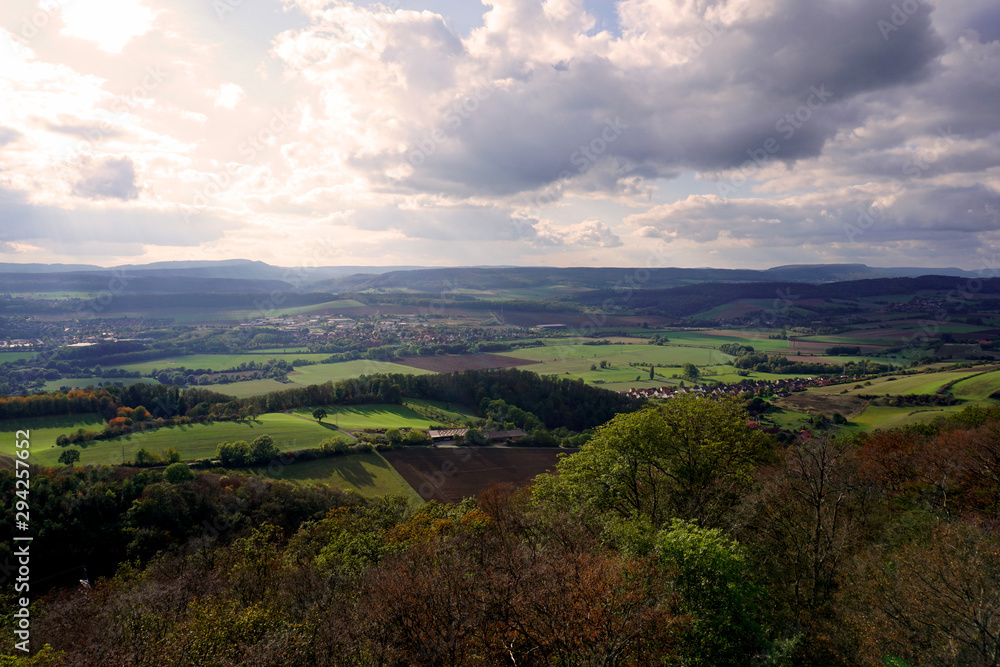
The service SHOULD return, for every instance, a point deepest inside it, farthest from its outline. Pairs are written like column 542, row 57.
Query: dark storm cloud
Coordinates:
column 790, row 78
column 111, row 179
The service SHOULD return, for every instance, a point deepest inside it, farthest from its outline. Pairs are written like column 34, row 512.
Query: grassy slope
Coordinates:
column 372, row 416
column 368, row 474
column 217, row 362
column 977, row 388
column 320, row 373
column 45, row 430
column 199, row 440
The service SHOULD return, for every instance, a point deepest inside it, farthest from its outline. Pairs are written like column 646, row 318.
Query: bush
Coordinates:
column 178, row 472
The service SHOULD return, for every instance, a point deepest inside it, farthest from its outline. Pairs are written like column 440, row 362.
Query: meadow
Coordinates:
column 920, row 383
column 45, row 430
column 369, row 475
column 375, row 415
column 197, row 441
column 978, row 388
column 216, row 362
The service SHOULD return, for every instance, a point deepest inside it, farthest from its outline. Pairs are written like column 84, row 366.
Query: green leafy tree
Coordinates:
column 69, row 456
column 262, row 450
column 233, row 453
column 689, row 458
column 416, row 437
column 319, row 414
column 178, row 472
column 690, row 371
column 713, row 577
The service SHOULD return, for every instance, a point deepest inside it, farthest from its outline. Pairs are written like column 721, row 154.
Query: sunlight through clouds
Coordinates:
column 111, row 24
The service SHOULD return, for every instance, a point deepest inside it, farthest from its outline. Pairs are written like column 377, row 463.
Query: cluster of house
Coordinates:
column 782, row 387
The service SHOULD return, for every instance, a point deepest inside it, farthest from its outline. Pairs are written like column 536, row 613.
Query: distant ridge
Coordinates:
column 250, row 276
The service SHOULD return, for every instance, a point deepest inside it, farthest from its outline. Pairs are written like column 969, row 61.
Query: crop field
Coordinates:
column 758, row 339
column 45, row 430
column 14, row 356
column 195, row 441
column 921, row 383
column 463, row 362
column 881, row 417
column 978, row 388
column 249, row 388
column 370, row 475
column 617, row 355
column 448, row 474
column 81, row 383
column 217, row 362
column 431, row 410
column 320, row 373
column 375, row 415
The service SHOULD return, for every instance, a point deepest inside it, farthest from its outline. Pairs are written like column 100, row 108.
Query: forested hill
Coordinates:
column 684, row 301
column 246, row 276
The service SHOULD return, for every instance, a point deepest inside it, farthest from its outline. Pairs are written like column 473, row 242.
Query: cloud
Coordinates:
column 111, row 24
column 733, row 131
column 589, row 233
column 110, row 179
column 9, row 136
column 228, row 95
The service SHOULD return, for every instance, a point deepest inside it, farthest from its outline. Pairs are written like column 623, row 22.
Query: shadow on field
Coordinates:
column 354, row 473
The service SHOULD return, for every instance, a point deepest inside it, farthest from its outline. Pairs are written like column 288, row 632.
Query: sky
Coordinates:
column 724, row 133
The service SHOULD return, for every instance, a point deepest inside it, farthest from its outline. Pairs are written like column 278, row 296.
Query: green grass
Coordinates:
column 217, row 362
column 376, row 415
column 81, row 383
column 368, row 474
column 249, row 388
column 882, row 417
column 618, row 355
column 320, row 373
column 457, row 413
column 45, row 430
column 14, row 356
column 196, row 441
column 921, row 383
column 699, row 338
column 977, row 388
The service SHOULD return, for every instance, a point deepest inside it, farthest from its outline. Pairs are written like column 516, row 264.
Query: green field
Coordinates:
column 702, row 338
column 45, row 430
column 81, row 383
column 881, row 417
column 618, row 355
column 977, row 388
column 368, row 474
column 14, row 356
column 320, row 373
column 352, row 417
column 921, row 383
column 196, row 441
column 217, row 362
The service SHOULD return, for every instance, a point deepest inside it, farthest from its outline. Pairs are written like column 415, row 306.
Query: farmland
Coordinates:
column 354, row 417
column 216, row 362
column 196, row 441
column 320, row 373
column 450, row 474
column 45, row 430
column 463, row 362
column 370, row 475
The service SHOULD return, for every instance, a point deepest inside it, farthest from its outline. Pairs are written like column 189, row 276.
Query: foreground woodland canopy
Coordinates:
column 676, row 536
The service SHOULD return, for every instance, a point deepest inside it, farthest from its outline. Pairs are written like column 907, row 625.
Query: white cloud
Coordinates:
column 228, row 95
column 111, row 24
